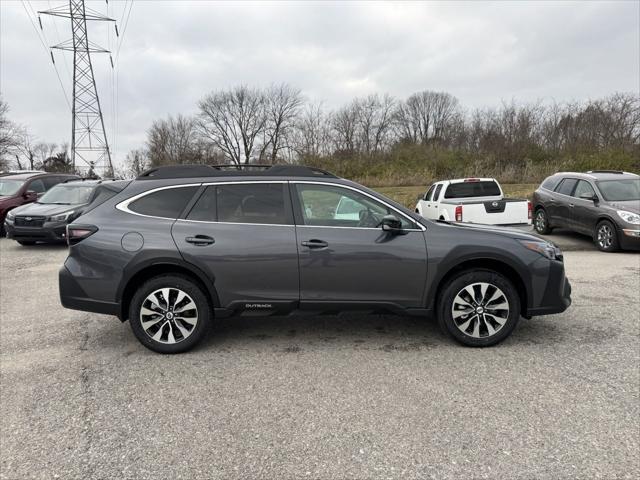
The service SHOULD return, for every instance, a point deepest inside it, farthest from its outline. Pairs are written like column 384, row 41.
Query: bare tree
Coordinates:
column 344, row 126
column 282, row 104
column 136, row 162
column 9, row 136
column 173, row 141
column 233, row 121
column 312, row 132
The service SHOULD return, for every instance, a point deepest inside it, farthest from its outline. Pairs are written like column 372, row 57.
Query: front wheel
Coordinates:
column 541, row 222
column 169, row 314
column 479, row 308
column 606, row 237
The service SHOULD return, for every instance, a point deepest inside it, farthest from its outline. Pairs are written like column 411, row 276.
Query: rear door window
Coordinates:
column 167, row 203
column 566, row 186
column 257, row 203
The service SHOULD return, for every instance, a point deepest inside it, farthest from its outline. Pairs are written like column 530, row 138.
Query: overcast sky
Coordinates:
column 174, row 52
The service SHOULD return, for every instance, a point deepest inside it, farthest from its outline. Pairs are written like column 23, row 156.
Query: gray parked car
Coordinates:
column 182, row 245
column 603, row 204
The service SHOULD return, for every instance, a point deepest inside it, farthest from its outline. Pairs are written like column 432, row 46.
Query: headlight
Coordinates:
column 546, row 249
column 10, row 215
column 61, row 217
column 629, row 217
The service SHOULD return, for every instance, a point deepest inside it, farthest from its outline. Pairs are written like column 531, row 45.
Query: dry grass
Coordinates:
column 408, row 196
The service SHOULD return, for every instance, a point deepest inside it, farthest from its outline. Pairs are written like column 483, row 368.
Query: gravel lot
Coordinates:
column 330, row 397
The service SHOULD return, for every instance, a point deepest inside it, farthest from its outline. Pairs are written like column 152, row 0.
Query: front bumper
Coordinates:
column 629, row 238
column 49, row 232
column 557, row 294
column 72, row 296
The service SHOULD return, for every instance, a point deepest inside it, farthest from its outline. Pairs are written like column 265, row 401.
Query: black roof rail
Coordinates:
column 190, row 171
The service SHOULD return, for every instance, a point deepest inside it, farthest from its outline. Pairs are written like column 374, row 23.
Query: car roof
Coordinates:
column 243, row 170
column 26, row 176
column 599, row 175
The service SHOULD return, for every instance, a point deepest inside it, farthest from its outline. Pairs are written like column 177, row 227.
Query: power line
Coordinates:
column 46, row 49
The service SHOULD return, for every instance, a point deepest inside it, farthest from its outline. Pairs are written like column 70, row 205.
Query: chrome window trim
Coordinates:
column 421, row 228
column 236, row 223
column 123, row 206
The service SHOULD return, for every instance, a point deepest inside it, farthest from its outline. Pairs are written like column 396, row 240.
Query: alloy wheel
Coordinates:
column 480, row 310
column 605, row 236
column 541, row 221
column 168, row 315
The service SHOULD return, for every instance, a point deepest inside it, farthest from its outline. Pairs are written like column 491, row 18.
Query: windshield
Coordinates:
column 620, row 190
column 65, row 194
column 9, row 187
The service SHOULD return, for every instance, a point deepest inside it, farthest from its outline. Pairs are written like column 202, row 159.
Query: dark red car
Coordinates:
column 20, row 188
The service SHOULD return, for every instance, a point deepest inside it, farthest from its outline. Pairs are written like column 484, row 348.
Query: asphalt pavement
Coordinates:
column 320, row 397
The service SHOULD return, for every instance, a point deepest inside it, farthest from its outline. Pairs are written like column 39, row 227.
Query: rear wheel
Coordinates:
column 169, row 314
column 479, row 308
column 541, row 222
column 606, row 237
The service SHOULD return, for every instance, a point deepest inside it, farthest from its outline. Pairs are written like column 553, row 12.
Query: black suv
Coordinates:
column 46, row 219
column 603, row 204
column 182, row 245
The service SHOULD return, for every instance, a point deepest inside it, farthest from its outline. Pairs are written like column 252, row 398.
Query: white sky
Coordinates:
column 174, row 52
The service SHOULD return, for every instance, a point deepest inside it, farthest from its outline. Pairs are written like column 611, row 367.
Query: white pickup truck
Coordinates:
column 473, row 200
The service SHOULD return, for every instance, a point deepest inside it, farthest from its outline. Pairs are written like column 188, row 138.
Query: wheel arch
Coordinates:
column 491, row 264
column 164, row 267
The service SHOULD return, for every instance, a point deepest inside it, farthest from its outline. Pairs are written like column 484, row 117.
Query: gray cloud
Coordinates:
column 175, row 52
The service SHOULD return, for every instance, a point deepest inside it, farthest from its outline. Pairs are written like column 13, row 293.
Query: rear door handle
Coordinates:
column 315, row 243
column 200, row 240
column 571, row 205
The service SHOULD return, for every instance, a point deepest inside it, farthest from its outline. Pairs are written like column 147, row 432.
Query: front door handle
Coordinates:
column 200, row 240
column 571, row 205
column 315, row 243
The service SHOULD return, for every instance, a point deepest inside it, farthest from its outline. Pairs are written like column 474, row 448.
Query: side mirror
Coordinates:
column 390, row 223
column 589, row 196
column 30, row 195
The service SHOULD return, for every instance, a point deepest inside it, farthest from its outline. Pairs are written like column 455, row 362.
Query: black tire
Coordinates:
column 26, row 243
column 541, row 222
column 498, row 285
column 174, row 326
column 606, row 237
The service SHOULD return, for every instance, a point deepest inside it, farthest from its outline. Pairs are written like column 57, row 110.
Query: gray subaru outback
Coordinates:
column 183, row 245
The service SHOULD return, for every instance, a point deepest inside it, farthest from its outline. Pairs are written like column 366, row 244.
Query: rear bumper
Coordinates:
column 53, row 233
column 72, row 296
column 557, row 294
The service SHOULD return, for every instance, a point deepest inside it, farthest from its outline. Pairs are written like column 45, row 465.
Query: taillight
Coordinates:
column 529, row 210
column 459, row 213
column 77, row 233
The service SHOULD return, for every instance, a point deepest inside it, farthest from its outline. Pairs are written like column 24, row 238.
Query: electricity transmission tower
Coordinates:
column 89, row 146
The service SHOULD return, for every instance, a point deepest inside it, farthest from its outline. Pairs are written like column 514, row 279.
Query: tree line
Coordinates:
column 377, row 138
column 277, row 124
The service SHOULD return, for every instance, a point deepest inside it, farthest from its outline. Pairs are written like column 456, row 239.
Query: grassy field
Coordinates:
column 408, row 196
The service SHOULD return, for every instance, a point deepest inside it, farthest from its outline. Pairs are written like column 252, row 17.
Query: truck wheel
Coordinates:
column 169, row 314
column 541, row 222
column 479, row 308
column 606, row 237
